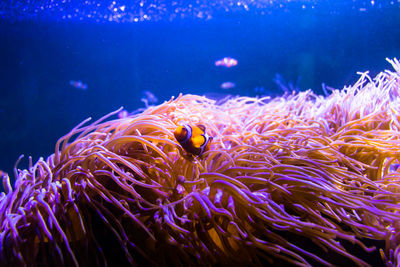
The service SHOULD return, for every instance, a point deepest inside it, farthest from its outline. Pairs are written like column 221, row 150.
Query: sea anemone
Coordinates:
column 300, row 179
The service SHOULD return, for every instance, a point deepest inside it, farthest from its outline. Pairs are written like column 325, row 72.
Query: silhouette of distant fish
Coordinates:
column 78, row 84
column 228, row 85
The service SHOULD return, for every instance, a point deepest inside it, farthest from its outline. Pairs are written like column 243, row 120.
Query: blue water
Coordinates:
column 41, row 52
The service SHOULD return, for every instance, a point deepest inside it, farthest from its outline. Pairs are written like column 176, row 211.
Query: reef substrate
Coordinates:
column 300, row 179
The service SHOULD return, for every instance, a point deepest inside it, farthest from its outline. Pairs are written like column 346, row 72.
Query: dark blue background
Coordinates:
column 118, row 61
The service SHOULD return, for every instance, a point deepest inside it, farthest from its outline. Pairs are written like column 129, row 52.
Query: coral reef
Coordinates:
column 300, row 179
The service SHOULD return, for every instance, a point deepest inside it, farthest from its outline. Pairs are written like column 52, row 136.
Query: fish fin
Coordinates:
column 201, row 127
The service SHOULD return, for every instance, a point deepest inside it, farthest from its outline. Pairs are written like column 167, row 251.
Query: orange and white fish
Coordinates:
column 227, row 62
column 193, row 139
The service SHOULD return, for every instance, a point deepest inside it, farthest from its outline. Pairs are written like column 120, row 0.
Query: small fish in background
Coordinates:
column 227, row 62
column 227, row 85
column 78, row 84
column 287, row 87
column 123, row 114
column 148, row 98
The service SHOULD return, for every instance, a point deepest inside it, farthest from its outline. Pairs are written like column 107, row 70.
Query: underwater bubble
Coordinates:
column 156, row 10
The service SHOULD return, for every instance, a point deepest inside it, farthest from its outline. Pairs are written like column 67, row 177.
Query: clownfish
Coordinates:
column 193, row 139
